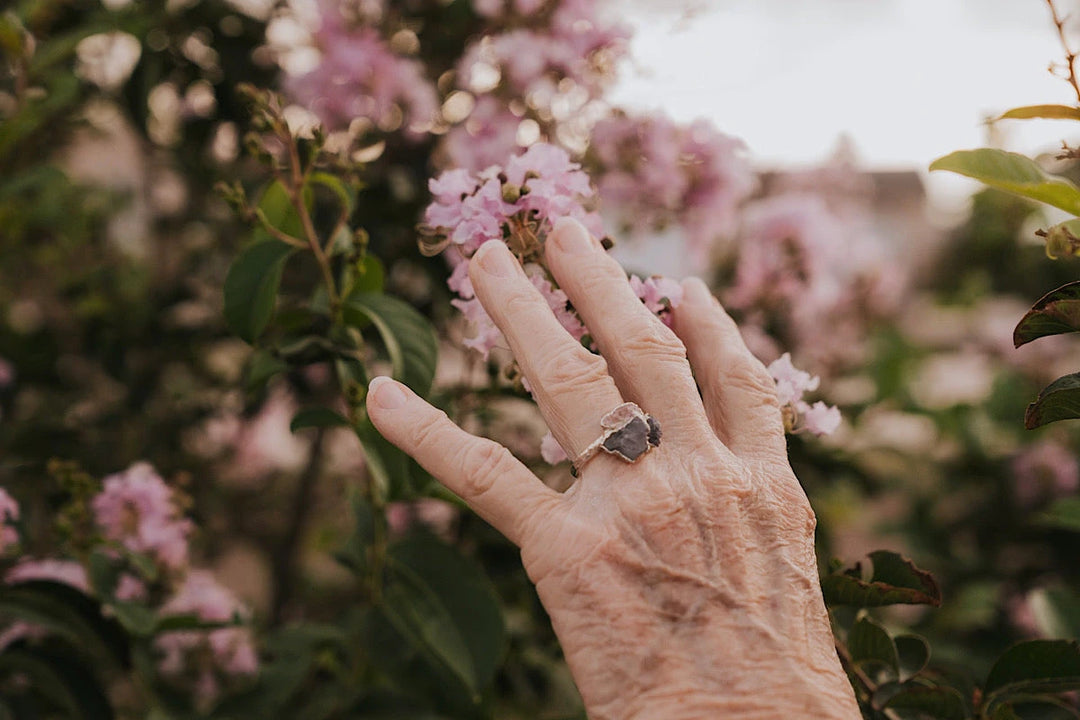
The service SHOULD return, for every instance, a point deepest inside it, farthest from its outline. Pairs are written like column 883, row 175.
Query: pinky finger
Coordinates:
column 480, row 471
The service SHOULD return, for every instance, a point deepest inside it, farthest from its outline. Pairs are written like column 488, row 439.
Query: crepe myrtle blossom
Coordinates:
column 206, row 660
column 360, row 76
column 518, row 205
column 9, row 515
column 653, row 172
column 791, row 384
column 138, row 510
column 540, row 54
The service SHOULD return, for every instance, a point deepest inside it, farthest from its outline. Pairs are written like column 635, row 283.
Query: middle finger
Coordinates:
column 571, row 385
column 646, row 359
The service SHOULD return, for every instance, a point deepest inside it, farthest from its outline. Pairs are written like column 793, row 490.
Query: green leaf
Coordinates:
column 278, row 211
column 69, row 614
column 1036, row 666
column 55, row 675
column 317, row 417
column 895, row 581
column 251, row 287
column 1046, row 112
column 938, row 702
column 354, row 553
column 1060, row 400
column 445, row 605
column 136, row 618
column 913, row 652
column 369, row 275
column 1056, row 312
column 335, row 185
column 869, row 644
column 1063, row 514
column 1013, row 173
column 409, row 337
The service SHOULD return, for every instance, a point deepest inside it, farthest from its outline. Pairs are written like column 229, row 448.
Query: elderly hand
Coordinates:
column 683, row 585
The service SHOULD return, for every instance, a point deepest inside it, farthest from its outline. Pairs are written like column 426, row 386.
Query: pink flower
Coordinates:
column 551, row 451
column 9, row 515
column 657, row 292
column 206, row 658
column 1044, row 471
column 437, row 515
column 820, row 419
column 68, row 572
column 359, row 76
column 137, row 509
column 130, row 588
column 791, row 382
column 484, row 139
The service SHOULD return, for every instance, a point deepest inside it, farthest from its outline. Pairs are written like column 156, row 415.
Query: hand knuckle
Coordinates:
column 482, row 464
column 571, row 368
column 652, row 340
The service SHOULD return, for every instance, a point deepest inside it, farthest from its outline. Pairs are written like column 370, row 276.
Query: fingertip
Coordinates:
column 696, row 291
column 385, row 393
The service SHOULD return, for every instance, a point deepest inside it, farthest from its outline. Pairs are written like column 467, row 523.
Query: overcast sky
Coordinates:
column 908, row 80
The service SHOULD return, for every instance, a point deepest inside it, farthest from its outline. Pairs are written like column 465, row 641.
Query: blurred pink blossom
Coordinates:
column 1044, row 471
column 359, row 76
column 137, row 509
column 438, row 516
column 484, row 139
column 791, row 385
column 265, row 443
column 577, row 44
column 9, row 515
column 130, row 588
column 206, row 659
column 653, row 172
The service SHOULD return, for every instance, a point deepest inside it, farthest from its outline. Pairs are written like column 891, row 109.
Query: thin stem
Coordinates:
column 284, row 564
column 868, row 685
column 299, row 176
column 1070, row 56
column 278, row 234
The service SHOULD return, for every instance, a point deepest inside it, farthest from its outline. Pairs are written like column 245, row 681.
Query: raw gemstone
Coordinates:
column 654, row 431
column 629, row 442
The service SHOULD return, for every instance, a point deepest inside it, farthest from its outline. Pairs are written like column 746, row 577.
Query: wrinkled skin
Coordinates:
column 683, row 585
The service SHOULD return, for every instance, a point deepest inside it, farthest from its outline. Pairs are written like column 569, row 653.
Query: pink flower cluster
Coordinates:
column 9, row 515
column 810, row 264
column 651, row 171
column 137, row 509
column 359, row 76
column 574, row 43
column 523, row 199
column 206, row 660
column 791, row 385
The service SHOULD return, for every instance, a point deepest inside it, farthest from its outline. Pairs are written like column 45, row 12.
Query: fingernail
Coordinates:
column 572, row 237
column 386, row 393
column 496, row 261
